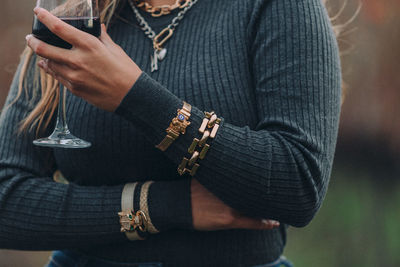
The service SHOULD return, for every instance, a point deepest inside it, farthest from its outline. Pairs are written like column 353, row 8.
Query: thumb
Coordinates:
column 104, row 37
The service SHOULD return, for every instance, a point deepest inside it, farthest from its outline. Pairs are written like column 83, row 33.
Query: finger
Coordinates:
column 62, row 70
column 43, row 64
column 104, row 37
column 271, row 223
column 64, row 82
column 255, row 224
column 47, row 51
column 63, row 30
column 59, row 78
column 58, row 71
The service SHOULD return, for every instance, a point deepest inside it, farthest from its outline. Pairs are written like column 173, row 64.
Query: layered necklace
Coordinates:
column 158, row 11
column 160, row 39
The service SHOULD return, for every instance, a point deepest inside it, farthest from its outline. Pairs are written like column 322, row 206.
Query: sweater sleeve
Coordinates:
column 37, row 213
column 281, row 168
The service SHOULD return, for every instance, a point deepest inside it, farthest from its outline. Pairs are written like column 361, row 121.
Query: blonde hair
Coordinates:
column 41, row 115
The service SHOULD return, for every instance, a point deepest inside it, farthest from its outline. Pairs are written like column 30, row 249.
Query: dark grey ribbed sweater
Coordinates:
column 269, row 68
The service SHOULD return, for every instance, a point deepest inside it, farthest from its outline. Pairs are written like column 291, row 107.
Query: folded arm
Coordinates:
column 281, row 168
column 37, row 213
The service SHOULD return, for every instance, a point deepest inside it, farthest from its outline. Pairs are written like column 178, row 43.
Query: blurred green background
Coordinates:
column 358, row 224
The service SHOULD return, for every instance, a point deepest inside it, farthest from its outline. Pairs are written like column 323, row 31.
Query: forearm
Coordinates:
column 267, row 174
column 39, row 214
column 279, row 168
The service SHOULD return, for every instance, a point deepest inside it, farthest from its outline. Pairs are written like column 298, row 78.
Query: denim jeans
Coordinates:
column 68, row 258
column 282, row 261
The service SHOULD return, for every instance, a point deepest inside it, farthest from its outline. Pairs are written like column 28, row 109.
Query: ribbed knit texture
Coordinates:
column 270, row 69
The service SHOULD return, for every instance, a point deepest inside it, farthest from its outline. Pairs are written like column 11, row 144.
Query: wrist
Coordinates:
column 169, row 204
column 126, row 84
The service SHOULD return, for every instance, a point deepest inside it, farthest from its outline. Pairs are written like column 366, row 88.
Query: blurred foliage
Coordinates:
column 358, row 224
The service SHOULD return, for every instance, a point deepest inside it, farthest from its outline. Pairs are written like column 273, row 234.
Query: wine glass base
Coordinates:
column 62, row 140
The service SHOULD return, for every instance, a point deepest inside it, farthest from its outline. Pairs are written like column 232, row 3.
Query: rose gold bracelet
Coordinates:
column 177, row 127
column 208, row 129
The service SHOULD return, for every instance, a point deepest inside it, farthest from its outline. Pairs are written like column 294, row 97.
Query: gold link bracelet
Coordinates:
column 211, row 121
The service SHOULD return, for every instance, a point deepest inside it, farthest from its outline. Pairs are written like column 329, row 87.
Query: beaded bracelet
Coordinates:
column 208, row 129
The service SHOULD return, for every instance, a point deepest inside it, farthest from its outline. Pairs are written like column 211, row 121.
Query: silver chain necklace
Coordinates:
column 159, row 52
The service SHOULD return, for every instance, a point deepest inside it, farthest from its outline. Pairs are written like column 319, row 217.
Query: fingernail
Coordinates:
column 268, row 222
column 264, row 221
column 36, row 10
column 28, row 37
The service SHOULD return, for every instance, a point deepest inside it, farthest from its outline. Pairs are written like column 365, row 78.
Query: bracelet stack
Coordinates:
column 208, row 129
column 134, row 217
column 136, row 224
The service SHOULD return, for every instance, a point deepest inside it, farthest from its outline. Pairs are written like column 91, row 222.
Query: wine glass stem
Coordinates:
column 61, row 125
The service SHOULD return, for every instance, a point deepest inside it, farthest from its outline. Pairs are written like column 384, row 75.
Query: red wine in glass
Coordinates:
column 83, row 15
column 40, row 31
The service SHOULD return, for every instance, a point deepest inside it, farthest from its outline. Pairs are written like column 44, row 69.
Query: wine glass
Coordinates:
column 83, row 15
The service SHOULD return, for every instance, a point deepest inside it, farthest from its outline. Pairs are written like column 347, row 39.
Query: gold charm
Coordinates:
column 130, row 221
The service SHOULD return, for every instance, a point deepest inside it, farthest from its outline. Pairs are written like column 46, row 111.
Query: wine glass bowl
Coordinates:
column 83, row 15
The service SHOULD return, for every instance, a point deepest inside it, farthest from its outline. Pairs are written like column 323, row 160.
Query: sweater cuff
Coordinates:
column 169, row 204
column 151, row 107
column 148, row 104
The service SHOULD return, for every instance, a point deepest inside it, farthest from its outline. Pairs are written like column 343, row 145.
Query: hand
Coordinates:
column 97, row 70
column 210, row 213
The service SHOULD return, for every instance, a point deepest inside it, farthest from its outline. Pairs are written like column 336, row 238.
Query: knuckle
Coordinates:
column 40, row 16
column 57, row 27
column 92, row 44
column 73, row 77
column 39, row 48
column 87, row 42
column 79, row 63
column 118, row 48
column 75, row 64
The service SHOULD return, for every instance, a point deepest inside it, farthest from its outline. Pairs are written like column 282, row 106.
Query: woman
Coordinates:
column 269, row 69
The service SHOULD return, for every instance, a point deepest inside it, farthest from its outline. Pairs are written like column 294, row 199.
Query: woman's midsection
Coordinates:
column 192, row 248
